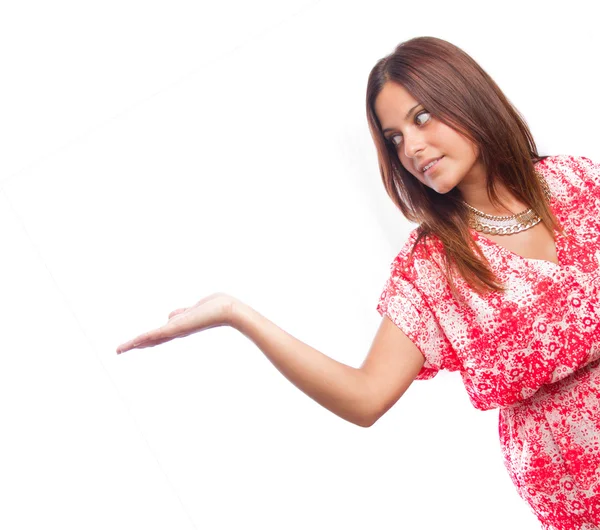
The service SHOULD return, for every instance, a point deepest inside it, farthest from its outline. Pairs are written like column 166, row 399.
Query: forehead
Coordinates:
column 392, row 103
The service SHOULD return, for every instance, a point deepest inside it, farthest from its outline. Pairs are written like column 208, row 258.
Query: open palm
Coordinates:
column 210, row 312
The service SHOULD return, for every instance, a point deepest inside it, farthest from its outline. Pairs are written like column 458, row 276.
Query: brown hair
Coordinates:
column 459, row 93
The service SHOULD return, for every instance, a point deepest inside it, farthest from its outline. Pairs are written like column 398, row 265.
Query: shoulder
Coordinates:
column 419, row 256
column 566, row 163
column 577, row 171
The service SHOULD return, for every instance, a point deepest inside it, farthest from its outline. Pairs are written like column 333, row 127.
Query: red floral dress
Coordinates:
column 533, row 352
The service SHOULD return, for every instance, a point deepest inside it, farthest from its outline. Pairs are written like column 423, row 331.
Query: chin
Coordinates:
column 442, row 190
column 441, row 184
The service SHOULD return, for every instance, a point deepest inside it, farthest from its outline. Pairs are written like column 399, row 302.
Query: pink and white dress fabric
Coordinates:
column 532, row 352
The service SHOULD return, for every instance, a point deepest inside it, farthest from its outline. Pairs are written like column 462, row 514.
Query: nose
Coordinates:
column 413, row 143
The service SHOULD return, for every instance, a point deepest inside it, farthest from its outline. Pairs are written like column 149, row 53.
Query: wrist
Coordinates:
column 235, row 314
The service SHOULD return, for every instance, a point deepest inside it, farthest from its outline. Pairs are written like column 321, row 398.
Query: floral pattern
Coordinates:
column 533, row 352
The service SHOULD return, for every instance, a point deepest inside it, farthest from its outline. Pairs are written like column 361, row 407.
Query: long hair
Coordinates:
column 458, row 92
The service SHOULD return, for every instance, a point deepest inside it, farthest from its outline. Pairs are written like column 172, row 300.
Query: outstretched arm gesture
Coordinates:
column 359, row 395
column 210, row 312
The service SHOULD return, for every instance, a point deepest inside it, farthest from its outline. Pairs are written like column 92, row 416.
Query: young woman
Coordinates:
column 500, row 280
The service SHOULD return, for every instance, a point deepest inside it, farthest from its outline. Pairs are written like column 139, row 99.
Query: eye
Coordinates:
column 395, row 139
column 423, row 117
column 420, row 119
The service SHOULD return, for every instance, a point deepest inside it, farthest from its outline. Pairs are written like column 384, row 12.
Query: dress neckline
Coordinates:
column 492, row 243
column 557, row 236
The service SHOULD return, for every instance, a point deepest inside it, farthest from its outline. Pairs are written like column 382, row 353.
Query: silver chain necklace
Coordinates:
column 510, row 224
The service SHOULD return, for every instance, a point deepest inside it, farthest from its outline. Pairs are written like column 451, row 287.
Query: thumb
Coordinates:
column 177, row 312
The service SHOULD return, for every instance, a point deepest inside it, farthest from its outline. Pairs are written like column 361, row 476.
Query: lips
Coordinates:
column 429, row 164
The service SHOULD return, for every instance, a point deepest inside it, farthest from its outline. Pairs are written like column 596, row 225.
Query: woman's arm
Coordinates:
column 358, row 395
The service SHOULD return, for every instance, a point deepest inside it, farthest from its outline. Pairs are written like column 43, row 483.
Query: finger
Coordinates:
column 177, row 312
column 151, row 343
column 126, row 346
column 141, row 345
column 148, row 337
column 133, row 344
column 145, row 340
column 129, row 345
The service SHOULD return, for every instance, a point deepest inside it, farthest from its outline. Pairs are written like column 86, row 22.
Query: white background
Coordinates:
column 152, row 153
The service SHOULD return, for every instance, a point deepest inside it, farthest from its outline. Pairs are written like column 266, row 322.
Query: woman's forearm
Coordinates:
column 338, row 387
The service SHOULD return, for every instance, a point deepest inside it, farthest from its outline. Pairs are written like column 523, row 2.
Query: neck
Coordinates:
column 509, row 204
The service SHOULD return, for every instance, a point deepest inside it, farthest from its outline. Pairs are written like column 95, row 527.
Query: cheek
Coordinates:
column 466, row 147
column 475, row 151
column 407, row 163
column 470, row 154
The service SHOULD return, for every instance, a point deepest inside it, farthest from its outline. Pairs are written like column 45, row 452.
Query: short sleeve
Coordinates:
column 579, row 171
column 589, row 172
column 404, row 305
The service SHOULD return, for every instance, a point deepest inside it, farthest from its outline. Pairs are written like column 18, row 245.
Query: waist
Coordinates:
column 562, row 384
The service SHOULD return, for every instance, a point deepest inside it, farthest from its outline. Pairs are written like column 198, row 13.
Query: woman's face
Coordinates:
column 420, row 139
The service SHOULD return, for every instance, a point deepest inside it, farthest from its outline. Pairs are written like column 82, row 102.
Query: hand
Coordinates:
column 210, row 312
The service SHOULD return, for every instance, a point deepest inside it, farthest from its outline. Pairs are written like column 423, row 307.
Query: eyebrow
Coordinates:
column 405, row 117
